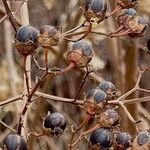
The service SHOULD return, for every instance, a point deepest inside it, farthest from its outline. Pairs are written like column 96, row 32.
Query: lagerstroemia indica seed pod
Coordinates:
column 143, row 138
column 138, row 26
column 80, row 55
column 95, row 10
column 55, row 123
column 95, row 101
column 123, row 140
column 108, row 118
column 49, row 36
column 125, row 15
column 102, row 138
column 26, row 40
column 15, row 142
column 109, row 88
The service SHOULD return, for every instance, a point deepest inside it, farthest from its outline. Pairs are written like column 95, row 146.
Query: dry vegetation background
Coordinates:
column 115, row 60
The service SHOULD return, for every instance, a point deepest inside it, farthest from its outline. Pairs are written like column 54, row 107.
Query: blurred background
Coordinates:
column 115, row 60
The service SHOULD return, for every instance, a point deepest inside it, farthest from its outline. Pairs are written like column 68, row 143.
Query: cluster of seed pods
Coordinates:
column 107, row 133
column 28, row 39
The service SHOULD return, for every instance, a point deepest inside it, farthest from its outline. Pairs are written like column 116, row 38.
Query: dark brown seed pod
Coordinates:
column 80, row 55
column 55, row 124
column 49, row 36
column 109, row 88
column 26, row 40
column 95, row 10
column 126, row 3
column 95, row 101
column 125, row 15
column 108, row 118
column 138, row 25
column 15, row 142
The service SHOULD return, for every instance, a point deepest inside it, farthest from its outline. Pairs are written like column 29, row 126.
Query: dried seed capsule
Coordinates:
column 15, row 142
column 80, row 55
column 138, row 26
column 26, row 38
column 102, row 138
column 55, row 123
column 95, row 101
column 108, row 118
column 49, row 36
column 125, row 15
column 95, row 9
column 143, row 138
column 109, row 88
column 123, row 140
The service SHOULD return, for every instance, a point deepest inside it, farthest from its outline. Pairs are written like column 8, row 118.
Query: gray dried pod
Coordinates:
column 123, row 140
column 79, row 56
column 26, row 40
column 102, row 138
column 15, row 142
column 49, row 36
column 55, row 123
column 108, row 118
column 95, row 102
column 95, row 10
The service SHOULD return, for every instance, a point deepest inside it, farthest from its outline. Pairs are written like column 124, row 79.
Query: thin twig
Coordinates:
column 11, row 16
column 58, row 99
column 82, row 83
column 26, row 75
column 20, row 124
column 16, row 11
column 10, row 100
column 7, row 126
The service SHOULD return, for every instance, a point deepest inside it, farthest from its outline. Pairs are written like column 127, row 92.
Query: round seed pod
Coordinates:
column 109, row 88
column 102, row 138
column 138, row 25
column 49, row 36
column 55, row 123
column 123, row 140
column 95, row 10
column 95, row 101
column 26, row 40
column 108, row 118
column 15, row 142
column 125, row 15
column 143, row 138
column 80, row 54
